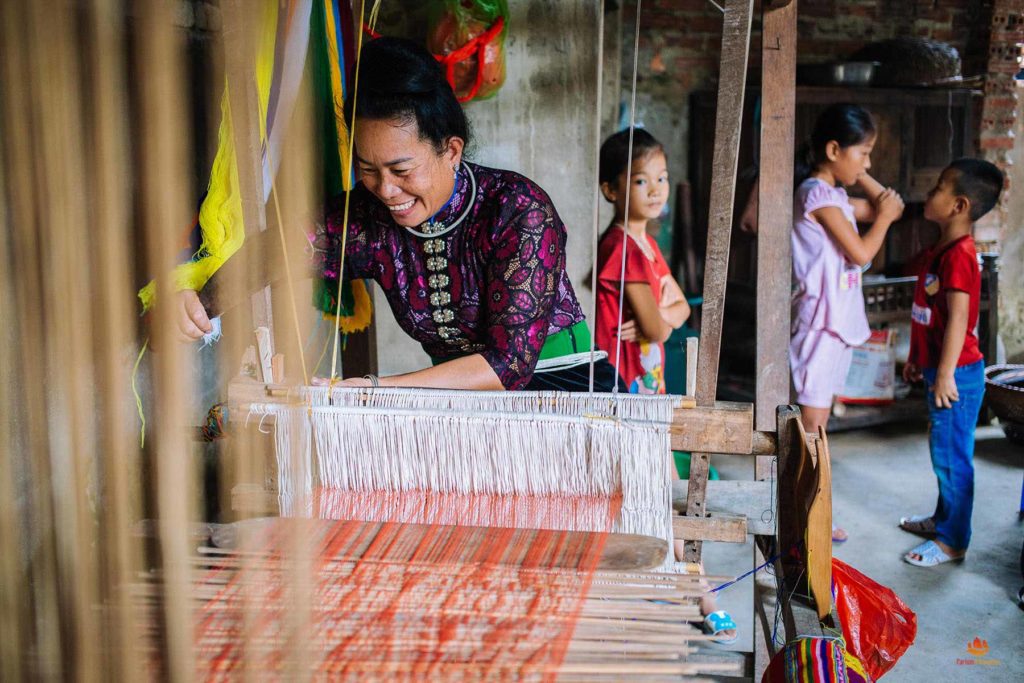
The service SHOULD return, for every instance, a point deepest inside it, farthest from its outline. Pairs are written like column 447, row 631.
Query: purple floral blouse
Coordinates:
column 492, row 283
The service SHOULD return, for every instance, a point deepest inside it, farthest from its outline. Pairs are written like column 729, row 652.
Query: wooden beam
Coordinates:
column 620, row 552
column 728, row 121
column 722, row 528
column 775, row 211
column 256, row 265
column 728, row 124
column 243, row 102
column 749, row 499
column 721, row 428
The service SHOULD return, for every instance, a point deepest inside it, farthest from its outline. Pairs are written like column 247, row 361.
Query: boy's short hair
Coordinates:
column 980, row 181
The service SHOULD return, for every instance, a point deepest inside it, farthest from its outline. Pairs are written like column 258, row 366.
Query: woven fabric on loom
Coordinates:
column 526, row 445
column 434, row 606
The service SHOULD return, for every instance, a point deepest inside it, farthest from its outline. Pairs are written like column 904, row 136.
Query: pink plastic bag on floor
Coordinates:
column 877, row 625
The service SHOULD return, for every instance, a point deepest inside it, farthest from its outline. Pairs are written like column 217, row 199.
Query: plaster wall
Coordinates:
column 542, row 123
column 1011, row 257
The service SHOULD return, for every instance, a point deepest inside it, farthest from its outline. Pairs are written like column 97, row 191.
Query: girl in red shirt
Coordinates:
column 639, row 303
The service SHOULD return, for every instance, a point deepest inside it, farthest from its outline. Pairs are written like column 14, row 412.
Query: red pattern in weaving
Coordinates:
column 403, row 604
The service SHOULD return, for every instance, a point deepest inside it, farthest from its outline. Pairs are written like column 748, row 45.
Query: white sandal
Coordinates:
column 930, row 555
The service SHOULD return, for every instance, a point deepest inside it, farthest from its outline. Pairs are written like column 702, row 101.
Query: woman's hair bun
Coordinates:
column 400, row 79
column 396, row 66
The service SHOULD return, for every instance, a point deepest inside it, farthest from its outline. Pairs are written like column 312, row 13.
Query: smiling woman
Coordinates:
column 471, row 259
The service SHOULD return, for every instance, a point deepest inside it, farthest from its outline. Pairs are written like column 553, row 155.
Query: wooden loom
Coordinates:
column 769, row 430
column 68, row 559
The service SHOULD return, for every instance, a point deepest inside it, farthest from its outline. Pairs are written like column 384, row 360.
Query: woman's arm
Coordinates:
column 860, row 249
column 468, row 372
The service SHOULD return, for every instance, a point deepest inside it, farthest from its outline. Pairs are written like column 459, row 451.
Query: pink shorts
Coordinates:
column 819, row 362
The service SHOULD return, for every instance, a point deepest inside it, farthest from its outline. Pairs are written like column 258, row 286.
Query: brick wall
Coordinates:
column 681, row 39
column 999, row 112
column 1000, row 124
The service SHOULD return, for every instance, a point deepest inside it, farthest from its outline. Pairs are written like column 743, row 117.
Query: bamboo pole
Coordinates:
column 163, row 143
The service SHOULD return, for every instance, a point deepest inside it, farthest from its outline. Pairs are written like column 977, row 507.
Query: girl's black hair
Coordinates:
column 848, row 124
column 399, row 79
column 614, row 160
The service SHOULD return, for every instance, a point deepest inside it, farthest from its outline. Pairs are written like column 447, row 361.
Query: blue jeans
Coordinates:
column 951, row 442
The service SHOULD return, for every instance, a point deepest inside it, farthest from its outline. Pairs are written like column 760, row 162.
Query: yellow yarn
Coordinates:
column 362, row 314
column 221, row 212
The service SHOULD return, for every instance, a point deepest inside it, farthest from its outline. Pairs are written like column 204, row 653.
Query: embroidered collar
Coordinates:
column 438, row 224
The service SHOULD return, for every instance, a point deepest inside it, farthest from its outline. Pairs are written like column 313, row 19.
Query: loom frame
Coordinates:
column 768, row 429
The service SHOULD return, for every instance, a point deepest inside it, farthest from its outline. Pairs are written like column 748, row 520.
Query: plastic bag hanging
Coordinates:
column 468, row 38
column 877, row 625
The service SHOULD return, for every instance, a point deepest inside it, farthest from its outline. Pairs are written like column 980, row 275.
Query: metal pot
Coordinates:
column 837, row 73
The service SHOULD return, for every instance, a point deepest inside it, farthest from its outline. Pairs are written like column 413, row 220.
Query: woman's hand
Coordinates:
column 889, row 205
column 350, row 382
column 190, row 316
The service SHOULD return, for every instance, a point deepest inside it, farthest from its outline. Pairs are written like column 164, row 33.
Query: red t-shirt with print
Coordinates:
column 641, row 364
column 942, row 269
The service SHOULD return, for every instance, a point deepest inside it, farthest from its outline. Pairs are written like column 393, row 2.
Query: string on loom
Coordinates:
column 287, row 266
column 629, row 175
column 348, row 174
column 597, row 197
column 138, row 396
column 767, row 563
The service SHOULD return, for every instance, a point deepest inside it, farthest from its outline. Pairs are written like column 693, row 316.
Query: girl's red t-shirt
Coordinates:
column 641, row 364
column 951, row 267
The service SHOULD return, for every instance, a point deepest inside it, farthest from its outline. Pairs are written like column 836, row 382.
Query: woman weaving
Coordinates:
column 471, row 259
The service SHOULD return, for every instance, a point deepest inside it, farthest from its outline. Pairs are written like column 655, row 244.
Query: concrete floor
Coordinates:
column 885, row 473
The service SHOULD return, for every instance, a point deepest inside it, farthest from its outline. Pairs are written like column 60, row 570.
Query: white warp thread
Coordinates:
column 654, row 408
column 500, row 443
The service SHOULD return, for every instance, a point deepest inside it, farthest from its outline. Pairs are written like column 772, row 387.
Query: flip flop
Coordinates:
column 719, row 622
column 922, row 525
column 931, row 555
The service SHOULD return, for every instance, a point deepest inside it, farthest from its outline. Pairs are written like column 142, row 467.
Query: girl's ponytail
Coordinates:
column 803, row 165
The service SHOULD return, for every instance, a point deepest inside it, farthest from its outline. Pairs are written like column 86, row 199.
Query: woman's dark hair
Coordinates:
column 847, row 124
column 399, row 79
column 614, row 159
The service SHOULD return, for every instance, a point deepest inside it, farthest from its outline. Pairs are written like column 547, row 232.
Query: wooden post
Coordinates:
column 731, row 82
column 243, row 101
column 775, row 212
column 775, row 218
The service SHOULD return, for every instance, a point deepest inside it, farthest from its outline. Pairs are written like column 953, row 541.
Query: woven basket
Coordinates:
column 1004, row 392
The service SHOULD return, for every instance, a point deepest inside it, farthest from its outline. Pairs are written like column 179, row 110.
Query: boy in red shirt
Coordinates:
column 944, row 352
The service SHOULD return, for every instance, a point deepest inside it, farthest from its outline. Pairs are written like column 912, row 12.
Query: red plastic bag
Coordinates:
column 877, row 626
column 468, row 38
